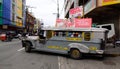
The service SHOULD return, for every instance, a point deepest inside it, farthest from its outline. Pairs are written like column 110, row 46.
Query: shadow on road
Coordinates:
column 85, row 56
column 48, row 53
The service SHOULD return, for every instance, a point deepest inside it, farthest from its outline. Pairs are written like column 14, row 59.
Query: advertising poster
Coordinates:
column 60, row 23
column 69, row 23
column 75, row 12
column 83, row 23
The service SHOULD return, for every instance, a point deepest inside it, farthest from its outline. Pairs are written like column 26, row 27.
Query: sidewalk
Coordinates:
column 112, row 51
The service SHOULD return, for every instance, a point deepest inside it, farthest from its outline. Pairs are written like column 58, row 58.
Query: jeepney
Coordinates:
column 72, row 41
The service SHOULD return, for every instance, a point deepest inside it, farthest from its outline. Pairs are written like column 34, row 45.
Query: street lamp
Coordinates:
column 57, row 14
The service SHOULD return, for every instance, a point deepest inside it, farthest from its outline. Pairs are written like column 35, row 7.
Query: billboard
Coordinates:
column 69, row 23
column 83, row 23
column 74, row 23
column 60, row 23
column 75, row 12
column 109, row 2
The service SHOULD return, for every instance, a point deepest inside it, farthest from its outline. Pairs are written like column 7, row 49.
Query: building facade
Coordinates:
column 12, row 14
column 30, row 21
column 1, row 12
column 101, row 11
column 37, row 25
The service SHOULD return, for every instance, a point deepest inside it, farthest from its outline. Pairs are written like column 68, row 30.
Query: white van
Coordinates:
column 111, row 33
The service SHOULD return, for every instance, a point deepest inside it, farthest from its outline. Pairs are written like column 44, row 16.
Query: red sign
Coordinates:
column 83, row 23
column 78, row 11
column 68, row 23
column 60, row 23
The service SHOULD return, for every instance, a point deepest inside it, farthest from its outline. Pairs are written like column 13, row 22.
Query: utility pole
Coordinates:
column 83, row 9
column 57, row 8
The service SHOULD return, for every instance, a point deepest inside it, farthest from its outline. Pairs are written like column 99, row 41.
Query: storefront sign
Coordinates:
column 69, row 23
column 109, row 2
column 60, row 23
column 74, row 12
column 83, row 23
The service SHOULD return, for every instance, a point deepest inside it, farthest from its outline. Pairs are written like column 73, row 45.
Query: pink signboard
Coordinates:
column 60, row 23
column 83, row 23
column 77, row 11
column 68, row 23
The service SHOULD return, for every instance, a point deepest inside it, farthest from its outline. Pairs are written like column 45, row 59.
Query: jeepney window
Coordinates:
column 70, row 34
column 74, row 34
column 87, row 36
column 60, row 33
column 55, row 33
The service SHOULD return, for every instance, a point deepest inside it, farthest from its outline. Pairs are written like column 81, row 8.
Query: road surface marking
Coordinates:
column 20, row 49
column 59, row 65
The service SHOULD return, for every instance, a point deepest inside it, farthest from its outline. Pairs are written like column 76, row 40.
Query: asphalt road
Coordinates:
column 13, row 56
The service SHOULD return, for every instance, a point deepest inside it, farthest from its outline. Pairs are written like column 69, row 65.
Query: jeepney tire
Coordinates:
column 27, row 47
column 75, row 54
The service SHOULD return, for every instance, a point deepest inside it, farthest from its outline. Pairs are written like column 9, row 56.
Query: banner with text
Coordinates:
column 69, row 23
column 60, row 23
column 83, row 23
column 75, row 12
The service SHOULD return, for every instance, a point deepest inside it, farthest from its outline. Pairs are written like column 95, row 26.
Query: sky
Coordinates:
column 45, row 10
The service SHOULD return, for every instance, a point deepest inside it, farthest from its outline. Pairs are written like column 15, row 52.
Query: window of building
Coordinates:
column 13, row 17
column 13, row 0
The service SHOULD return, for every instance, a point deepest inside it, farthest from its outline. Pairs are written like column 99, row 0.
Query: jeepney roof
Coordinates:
column 76, row 29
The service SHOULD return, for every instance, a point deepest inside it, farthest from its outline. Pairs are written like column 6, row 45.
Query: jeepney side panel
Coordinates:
column 86, row 47
column 61, row 45
column 64, row 44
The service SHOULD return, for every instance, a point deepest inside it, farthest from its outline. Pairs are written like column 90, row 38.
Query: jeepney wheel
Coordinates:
column 27, row 47
column 75, row 54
